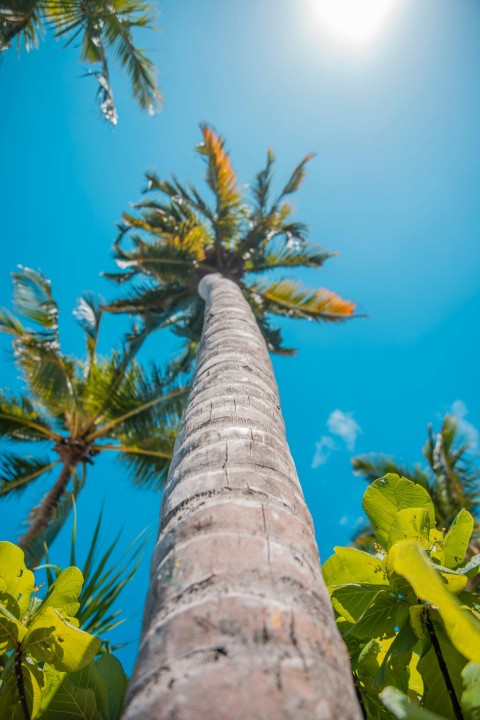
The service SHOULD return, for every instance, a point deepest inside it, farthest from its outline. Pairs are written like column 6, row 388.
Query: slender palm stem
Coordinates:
column 21, row 683
column 44, row 512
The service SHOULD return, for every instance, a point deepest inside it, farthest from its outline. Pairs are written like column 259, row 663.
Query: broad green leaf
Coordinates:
column 436, row 697
column 462, row 627
column 63, row 699
column 89, row 678
column 11, row 630
column 33, row 681
column 52, row 640
column 349, row 565
column 410, row 523
column 471, row 693
column 386, row 496
column 351, row 601
column 401, row 707
column 9, row 602
column 457, row 538
column 115, row 682
column 64, row 593
column 15, row 579
column 381, row 618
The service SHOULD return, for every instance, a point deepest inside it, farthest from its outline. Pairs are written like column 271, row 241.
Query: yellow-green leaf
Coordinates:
column 11, row 630
column 457, row 538
column 461, row 626
column 386, row 496
column 349, row 565
column 15, row 578
column 410, row 523
column 53, row 640
column 64, row 593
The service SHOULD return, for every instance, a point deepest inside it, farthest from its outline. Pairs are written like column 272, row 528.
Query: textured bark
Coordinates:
column 238, row 623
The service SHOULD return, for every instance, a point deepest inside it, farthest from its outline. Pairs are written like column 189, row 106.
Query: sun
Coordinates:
column 356, row 21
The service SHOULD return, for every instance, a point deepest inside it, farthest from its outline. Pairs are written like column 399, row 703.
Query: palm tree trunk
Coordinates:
column 44, row 512
column 238, row 623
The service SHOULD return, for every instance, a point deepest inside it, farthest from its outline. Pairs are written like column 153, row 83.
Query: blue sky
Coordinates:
column 393, row 189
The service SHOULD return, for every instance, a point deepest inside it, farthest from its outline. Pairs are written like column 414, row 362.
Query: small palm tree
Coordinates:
column 76, row 408
column 451, row 477
column 105, row 32
column 181, row 237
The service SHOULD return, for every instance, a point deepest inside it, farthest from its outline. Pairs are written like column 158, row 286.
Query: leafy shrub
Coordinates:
column 48, row 663
column 408, row 619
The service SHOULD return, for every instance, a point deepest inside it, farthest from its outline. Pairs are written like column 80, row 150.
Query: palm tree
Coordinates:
column 451, row 477
column 237, row 621
column 76, row 408
column 104, row 29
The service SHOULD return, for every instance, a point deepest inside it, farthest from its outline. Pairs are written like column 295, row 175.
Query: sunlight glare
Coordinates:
column 356, row 21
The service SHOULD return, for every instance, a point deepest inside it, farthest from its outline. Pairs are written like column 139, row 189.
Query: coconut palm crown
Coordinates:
column 76, row 409
column 178, row 237
column 105, row 34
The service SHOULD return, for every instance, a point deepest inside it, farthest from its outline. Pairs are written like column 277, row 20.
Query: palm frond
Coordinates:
column 287, row 256
column 20, row 420
column 105, row 580
column 32, row 298
column 262, row 184
column 291, row 299
column 147, row 459
column 20, row 19
column 140, row 69
column 220, row 176
column 88, row 312
column 17, row 471
column 376, row 465
column 296, row 177
column 137, row 404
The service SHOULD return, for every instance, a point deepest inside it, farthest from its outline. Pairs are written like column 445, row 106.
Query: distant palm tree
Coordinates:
column 238, row 621
column 451, row 477
column 105, row 32
column 77, row 408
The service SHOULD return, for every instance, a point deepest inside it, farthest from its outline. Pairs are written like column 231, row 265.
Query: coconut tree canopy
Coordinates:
column 74, row 409
column 177, row 236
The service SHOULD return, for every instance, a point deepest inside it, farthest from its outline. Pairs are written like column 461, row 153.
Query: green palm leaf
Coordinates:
column 18, row 471
column 20, row 420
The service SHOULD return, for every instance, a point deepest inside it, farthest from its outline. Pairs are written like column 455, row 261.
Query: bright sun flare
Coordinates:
column 353, row 20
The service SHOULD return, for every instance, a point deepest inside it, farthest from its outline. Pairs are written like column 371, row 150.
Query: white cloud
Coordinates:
column 460, row 411
column 323, row 450
column 342, row 424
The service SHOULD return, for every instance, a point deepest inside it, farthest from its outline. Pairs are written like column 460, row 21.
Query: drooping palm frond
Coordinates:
column 178, row 237
column 20, row 19
column 17, row 471
column 105, row 31
column 20, row 420
column 88, row 312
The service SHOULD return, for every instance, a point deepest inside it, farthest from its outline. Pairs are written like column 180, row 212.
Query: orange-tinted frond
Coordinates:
column 221, row 176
